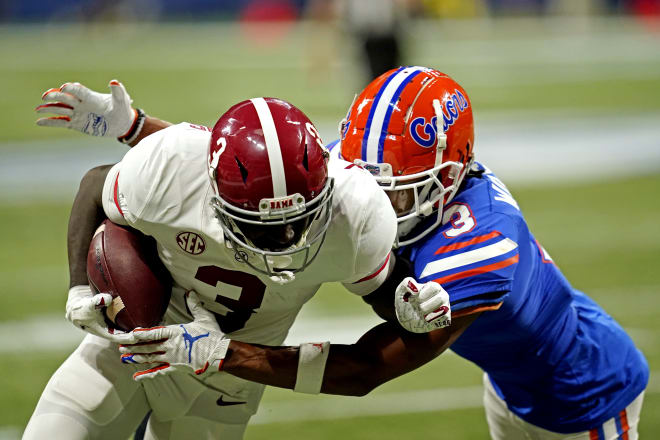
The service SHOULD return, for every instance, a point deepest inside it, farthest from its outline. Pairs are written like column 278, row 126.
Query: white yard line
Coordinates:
column 338, row 407
column 52, row 333
column 39, row 334
column 538, row 147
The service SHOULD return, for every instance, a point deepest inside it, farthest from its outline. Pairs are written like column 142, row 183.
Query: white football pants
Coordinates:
column 93, row 396
column 505, row 425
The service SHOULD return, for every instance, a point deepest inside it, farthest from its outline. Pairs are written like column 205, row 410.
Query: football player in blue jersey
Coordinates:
column 556, row 364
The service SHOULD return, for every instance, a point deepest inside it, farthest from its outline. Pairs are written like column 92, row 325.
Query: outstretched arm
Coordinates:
column 382, row 354
column 98, row 114
column 151, row 125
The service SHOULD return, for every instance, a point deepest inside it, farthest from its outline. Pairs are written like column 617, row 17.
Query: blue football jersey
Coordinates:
column 556, row 358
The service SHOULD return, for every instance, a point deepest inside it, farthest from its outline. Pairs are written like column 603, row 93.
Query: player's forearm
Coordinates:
column 151, row 125
column 276, row 366
column 86, row 214
column 383, row 353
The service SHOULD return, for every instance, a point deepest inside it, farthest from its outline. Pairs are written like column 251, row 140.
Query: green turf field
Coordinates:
column 605, row 236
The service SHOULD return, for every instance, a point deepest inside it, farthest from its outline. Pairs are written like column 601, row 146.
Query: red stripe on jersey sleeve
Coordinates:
column 462, row 244
column 373, row 275
column 478, row 270
column 116, row 197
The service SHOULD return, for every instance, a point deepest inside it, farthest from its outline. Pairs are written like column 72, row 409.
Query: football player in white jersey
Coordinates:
column 250, row 217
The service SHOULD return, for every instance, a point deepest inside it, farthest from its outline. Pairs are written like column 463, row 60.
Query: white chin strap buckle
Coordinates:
column 426, row 208
column 283, row 277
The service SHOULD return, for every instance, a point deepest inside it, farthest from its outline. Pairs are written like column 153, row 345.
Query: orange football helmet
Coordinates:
column 412, row 128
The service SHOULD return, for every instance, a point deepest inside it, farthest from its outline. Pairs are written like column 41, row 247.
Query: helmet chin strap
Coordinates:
column 406, row 226
column 426, row 208
column 442, row 136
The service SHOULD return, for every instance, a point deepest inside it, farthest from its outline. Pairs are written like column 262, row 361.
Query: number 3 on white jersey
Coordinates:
column 461, row 218
column 213, row 161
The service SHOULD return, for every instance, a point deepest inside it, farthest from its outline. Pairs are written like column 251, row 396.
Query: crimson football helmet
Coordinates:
column 412, row 128
column 273, row 195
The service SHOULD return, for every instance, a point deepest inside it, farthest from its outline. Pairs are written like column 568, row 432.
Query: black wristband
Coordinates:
column 136, row 128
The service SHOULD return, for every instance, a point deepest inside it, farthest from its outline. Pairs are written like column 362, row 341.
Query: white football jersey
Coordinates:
column 162, row 188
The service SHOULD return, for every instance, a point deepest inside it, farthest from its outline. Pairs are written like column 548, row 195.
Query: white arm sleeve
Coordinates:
column 374, row 260
column 371, row 282
column 130, row 184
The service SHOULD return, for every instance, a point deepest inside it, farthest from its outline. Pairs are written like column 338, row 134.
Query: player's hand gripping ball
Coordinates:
column 84, row 309
column 421, row 308
column 124, row 263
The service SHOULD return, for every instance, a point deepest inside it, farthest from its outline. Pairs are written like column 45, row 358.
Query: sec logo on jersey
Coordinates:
column 190, row 242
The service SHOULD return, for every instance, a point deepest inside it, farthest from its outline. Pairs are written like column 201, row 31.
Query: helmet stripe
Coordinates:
column 381, row 111
column 367, row 128
column 272, row 146
column 390, row 109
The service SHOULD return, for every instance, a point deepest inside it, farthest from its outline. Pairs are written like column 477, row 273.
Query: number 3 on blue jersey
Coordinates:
column 461, row 218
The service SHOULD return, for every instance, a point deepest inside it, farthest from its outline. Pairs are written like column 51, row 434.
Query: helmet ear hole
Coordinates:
column 305, row 160
column 242, row 169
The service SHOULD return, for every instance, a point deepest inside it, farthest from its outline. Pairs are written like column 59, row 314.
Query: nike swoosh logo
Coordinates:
column 221, row 402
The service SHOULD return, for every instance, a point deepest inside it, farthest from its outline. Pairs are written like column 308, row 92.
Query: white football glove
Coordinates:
column 197, row 347
column 421, row 308
column 82, row 109
column 85, row 310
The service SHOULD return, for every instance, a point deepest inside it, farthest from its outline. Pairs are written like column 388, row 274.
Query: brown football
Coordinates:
column 124, row 263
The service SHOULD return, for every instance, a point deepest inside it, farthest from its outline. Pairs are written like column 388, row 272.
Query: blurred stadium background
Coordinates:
column 567, row 103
